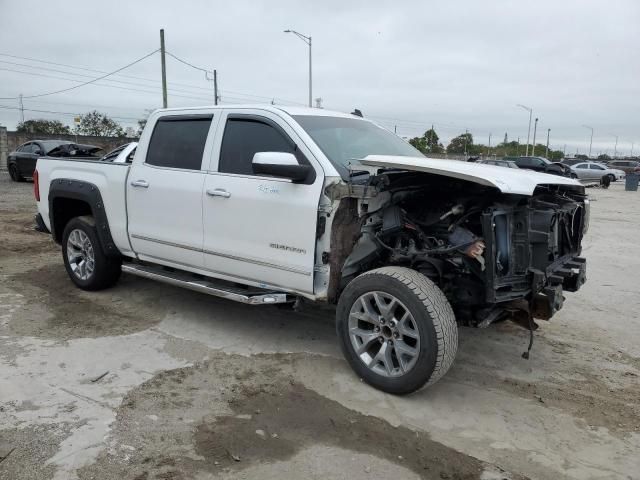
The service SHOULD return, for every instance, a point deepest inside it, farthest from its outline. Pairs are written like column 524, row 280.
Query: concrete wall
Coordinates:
column 9, row 141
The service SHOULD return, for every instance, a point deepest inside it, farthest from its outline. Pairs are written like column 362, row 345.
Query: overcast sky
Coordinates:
column 462, row 64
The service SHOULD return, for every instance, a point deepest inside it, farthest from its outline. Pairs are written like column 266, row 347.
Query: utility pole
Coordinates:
column 21, row 109
column 518, row 148
column 530, row 110
column 547, row 153
column 631, row 149
column 215, row 86
column 164, row 69
column 615, row 149
column 533, row 148
column 489, row 148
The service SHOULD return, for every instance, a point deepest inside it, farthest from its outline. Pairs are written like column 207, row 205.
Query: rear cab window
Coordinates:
column 178, row 141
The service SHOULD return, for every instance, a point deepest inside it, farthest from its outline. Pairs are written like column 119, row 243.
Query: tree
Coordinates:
column 582, row 156
column 604, row 156
column 50, row 127
column 429, row 142
column 461, row 144
column 99, row 125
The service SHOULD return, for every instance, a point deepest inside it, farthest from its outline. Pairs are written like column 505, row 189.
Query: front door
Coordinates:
column 260, row 229
column 164, row 191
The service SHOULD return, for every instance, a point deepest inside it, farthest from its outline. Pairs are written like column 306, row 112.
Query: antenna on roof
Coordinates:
column 357, row 113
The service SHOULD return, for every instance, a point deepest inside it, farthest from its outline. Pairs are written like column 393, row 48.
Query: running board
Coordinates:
column 210, row 287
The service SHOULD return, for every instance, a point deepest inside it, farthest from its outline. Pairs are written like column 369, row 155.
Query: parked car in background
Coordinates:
column 22, row 162
column 627, row 166
column 539, row 164
column 592, row 171
column 122, row 154
column 500, row 163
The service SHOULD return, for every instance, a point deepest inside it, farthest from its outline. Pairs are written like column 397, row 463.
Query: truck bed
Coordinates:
column 110, row 178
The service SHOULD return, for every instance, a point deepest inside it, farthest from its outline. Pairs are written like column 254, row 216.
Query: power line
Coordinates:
column 186, row 85
column 95, row 84
column 7, row 107
column 82, row 75
column 85, row 83
column 189, row 64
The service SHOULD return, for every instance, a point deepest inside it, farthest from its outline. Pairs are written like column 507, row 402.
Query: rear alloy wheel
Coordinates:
column 87, row 265
column 14, row 173
column 397, row 330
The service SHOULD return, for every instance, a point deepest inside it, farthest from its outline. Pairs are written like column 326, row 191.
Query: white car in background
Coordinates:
column 122, row 154
column 593, row 171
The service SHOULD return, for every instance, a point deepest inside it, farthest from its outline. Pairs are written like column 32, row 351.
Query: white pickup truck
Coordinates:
column 266, row 205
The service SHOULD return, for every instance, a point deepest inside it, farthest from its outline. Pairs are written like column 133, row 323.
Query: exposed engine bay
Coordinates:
column 494, row 255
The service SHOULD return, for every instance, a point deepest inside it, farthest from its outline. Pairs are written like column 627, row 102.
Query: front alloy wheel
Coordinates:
column 384, row 334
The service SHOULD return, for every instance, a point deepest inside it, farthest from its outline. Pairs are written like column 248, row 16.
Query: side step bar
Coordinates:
column 210, row 287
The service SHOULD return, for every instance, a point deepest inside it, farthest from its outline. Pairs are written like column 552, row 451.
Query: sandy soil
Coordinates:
column 147, row 381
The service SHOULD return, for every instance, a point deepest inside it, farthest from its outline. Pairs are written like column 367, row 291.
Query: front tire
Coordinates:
column 87, row 265
column 14, row 173
column 396, row 329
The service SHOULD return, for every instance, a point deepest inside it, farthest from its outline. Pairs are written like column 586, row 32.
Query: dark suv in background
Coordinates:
column 627, row 166
column 539, row 164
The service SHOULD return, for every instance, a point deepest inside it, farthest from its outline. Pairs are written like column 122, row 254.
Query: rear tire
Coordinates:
column 87, row 265
column 396, row 329
column 612, row 177
column 14, row 173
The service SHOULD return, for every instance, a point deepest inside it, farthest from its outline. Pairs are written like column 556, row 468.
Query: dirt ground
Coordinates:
column 146, row 381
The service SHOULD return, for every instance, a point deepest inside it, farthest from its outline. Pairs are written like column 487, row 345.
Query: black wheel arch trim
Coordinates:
column 90, row 194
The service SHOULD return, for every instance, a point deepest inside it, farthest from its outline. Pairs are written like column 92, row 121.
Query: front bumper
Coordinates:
column 569, row 276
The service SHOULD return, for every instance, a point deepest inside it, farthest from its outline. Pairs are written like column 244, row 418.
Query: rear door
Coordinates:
column 164, row 190
column 260, row 229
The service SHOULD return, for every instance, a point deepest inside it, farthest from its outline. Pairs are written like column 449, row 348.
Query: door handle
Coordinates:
column 140, row 183
column 218, row 192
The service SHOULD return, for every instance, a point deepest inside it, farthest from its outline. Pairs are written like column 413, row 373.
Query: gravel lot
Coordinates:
column 147, row 381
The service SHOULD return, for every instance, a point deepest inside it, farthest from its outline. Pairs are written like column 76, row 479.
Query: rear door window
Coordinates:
column 178, row 142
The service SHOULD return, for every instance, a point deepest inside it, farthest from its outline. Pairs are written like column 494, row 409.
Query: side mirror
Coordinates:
column 280, row 164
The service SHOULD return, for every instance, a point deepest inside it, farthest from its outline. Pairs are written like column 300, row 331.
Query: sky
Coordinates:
column 458, row 65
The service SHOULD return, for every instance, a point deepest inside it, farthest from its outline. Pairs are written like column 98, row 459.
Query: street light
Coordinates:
column 306, row 40
column 591, row 140
column 615, row 149
column 530, row 110
column 547, row 154
column 533, row 147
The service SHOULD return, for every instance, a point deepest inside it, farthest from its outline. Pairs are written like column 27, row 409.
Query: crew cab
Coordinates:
column 266, row 205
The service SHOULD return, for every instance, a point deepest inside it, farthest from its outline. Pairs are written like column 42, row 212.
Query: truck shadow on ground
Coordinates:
column 262, row 415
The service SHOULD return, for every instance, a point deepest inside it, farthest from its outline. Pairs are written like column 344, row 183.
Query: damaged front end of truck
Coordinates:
column 499, row 248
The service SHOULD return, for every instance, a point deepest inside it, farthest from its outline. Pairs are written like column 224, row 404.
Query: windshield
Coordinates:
column 346, row 140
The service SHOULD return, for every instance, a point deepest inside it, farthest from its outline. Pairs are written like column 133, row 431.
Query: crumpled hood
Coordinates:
column 507, row 180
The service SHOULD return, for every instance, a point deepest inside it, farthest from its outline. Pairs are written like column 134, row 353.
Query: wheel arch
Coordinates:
column 74, row 198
